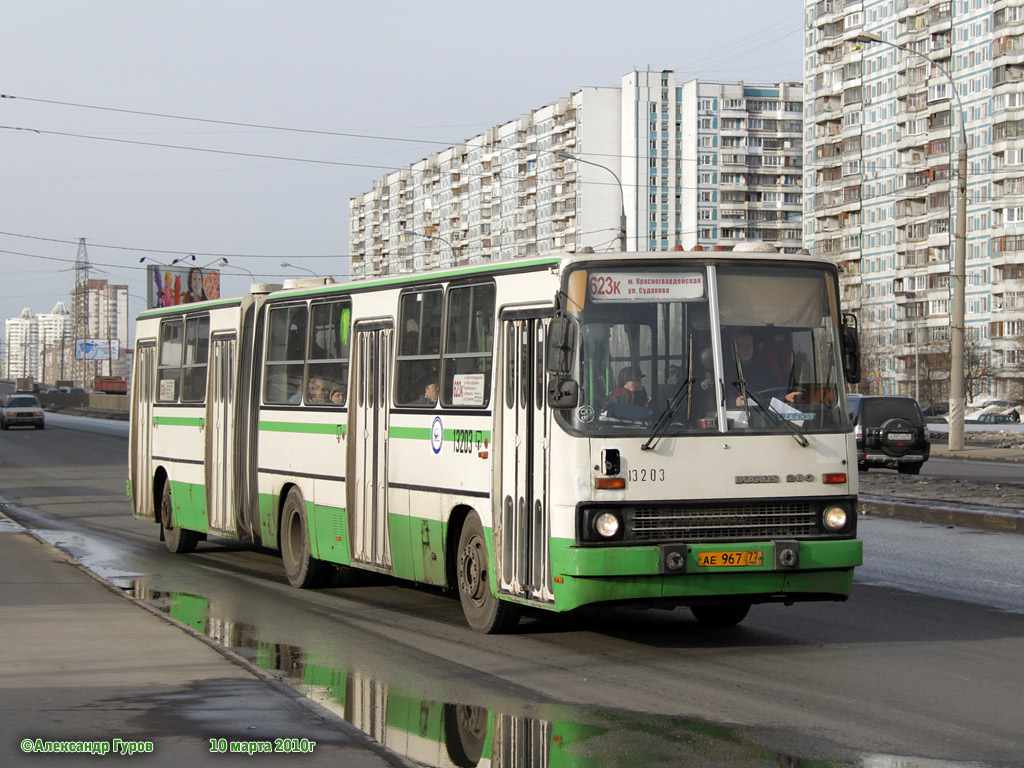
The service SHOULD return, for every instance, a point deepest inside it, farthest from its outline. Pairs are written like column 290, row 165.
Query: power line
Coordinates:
column 171, row 253
column 228, row 122
column 199, row 149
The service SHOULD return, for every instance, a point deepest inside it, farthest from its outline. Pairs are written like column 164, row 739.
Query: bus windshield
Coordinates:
column 707, row 349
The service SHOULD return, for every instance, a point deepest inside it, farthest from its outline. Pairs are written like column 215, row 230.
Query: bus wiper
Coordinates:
column 685, row 390
column 748, row 394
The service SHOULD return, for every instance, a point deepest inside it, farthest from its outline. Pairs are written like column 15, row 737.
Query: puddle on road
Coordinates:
column 444, row 733
column 411, row 720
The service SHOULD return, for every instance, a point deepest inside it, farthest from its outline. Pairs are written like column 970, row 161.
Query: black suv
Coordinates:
column 890, row 432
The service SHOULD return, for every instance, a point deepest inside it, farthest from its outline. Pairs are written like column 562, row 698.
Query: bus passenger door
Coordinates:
column 221, row 477
column 367, row 470
column 141, row 451
column 522, row 520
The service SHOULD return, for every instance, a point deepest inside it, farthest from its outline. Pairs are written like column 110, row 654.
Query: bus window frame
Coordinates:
column 421, row 361
column 446, row 383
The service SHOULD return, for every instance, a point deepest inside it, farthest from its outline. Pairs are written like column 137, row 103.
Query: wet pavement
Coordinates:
column 123, row 663
column 84, row 668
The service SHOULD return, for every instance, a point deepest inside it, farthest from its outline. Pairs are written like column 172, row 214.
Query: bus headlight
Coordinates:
column 606, row 525
column 834, row 519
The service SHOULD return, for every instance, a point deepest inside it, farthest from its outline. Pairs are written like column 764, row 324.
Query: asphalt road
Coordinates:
column 924, row 661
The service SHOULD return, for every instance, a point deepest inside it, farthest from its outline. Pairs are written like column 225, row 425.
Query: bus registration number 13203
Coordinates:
column 726, row 559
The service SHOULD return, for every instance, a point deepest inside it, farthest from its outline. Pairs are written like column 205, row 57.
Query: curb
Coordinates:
column 1001, row 519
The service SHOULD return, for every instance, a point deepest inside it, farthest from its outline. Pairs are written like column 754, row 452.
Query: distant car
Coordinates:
column 20, row 410
column 994, row 418
column 890, row 432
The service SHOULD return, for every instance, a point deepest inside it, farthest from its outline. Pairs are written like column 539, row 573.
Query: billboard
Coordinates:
column 97, row 349
column 171, row 286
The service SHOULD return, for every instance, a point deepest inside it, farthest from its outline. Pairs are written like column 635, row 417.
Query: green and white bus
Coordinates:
column 655, row 429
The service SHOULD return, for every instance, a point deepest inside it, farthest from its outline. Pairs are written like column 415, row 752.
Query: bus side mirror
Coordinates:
column 561, row 345
column 563, row 393
column 851, row 349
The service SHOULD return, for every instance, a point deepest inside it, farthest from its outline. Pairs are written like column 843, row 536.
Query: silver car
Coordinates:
column 19, row 410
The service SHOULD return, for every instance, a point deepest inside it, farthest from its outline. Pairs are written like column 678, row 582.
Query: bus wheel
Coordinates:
column 484, row 612
column 720, row 615
column 465, row 732
column 178, row 540
column 302, row 569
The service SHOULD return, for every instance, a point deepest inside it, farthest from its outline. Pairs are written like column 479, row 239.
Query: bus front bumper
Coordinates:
column 821, row 570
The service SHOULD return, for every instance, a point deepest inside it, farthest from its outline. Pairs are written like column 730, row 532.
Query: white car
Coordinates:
column 21, row 410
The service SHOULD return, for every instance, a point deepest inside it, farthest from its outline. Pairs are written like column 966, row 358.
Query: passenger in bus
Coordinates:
column 429, row 396
column 630, row 388
column 316, row 392
column 338, row 395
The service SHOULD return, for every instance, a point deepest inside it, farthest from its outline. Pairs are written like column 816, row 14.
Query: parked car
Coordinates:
column 890, row 432
column 21, row 410
column 994, row 418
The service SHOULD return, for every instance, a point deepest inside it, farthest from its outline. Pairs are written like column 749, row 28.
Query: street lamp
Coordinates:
column 295, row 266
column 957, row 319
column 243, row 269
column 622, row 196
column 410, row 233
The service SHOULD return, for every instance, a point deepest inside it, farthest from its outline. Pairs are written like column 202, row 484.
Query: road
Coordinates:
column 924, row 661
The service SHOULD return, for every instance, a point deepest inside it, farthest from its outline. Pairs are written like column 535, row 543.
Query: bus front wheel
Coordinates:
column 178, row 540
column 302, row 569
column 484, row 612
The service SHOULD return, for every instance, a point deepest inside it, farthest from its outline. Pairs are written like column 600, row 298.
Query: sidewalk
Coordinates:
column 83, row 664
column 978, row 452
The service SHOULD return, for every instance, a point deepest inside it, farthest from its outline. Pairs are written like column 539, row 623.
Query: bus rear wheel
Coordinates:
column 302, row 569
column 726, row 615
column 484, row 612
column 178, row 540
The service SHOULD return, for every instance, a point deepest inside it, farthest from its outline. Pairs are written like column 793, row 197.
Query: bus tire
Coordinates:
column 302, row 569
column 725, row 615
column 178, row 540
column 465, row 733
column 484, row 612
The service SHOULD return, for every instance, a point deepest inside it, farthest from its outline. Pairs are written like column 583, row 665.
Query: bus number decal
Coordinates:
column 468, row 440
column 646, row 475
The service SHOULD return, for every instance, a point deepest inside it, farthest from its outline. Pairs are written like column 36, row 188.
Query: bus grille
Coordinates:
column 733, row 520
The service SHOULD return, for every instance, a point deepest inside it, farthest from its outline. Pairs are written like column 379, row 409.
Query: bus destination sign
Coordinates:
column 646, row 286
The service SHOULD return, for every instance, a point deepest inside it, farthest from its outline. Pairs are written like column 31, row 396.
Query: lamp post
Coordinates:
column 622, row 196
column 295, row 266
column 410, row 233
column 243, row 269
column 957, row 311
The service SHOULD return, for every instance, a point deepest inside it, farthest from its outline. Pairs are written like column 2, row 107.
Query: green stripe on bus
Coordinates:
column 305, row 429
column 178, row 421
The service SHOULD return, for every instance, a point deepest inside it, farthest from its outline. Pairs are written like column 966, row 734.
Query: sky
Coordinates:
column 154, row 129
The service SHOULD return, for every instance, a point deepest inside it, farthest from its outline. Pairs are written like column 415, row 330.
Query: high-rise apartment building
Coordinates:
column 39, row 346
column 882, row 131
column 652, row 164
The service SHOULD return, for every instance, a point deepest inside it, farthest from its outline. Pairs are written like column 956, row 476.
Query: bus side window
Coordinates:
column 197, row 353
column 286, row 344
column 169, row 367
column 419, row 345
column 469, row 341
column 329, row 350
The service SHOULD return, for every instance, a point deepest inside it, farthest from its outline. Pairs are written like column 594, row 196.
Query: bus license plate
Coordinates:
column 729, row 559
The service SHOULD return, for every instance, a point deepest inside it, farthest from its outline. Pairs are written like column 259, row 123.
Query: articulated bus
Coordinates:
column 656, row 429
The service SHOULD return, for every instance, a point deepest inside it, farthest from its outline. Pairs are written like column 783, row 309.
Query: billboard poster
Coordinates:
column 171, row 286
column 97, row 349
